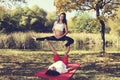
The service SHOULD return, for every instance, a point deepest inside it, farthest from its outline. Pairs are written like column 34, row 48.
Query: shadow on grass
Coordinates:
column 24, row 69
column 94, row 67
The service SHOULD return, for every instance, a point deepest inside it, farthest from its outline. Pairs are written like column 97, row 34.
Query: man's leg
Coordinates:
column 56, row 56
column 65, row 59
column 67, row 50
column 67, row 45
column 51, row 46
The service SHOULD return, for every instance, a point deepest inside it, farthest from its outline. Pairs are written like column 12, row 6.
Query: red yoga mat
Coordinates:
column 65, row 76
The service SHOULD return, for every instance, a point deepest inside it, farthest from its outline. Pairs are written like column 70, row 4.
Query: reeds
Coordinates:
column 20, row 40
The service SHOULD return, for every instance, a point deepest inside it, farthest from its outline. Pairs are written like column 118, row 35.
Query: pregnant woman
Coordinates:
column 60, row 30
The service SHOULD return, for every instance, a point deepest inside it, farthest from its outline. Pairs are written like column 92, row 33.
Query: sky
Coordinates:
column 47, row 5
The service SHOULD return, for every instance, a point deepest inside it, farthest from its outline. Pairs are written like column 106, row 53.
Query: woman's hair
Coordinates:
column 52, row 73
column 64, row 19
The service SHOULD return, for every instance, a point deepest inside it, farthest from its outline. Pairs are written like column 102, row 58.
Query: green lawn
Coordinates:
column 22, row 64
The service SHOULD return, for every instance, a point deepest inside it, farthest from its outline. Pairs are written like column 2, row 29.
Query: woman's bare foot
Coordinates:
column 34, row 38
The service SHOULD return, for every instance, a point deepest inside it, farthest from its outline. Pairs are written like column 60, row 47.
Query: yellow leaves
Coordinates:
column 59, row 5
column 102, row 18
column 91, row 0
column 2, row 12
column 15, row 12
column 59, row 10
column 68, row 5
column 23, row 21
column 55, row 1
column 93, row 4
column 94, row 22
column 65, row 1
column 35, row 8
column 114, row 23
column 23, row 18
column 113, row 16
column 118, row 12
column 73, row 6
column 33, row 20
column 107, row 8
column 74, row 18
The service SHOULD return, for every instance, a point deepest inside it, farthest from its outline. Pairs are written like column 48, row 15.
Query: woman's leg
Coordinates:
column 48, row 38
column 56, row 56
column 40, row 39
column 69, row 41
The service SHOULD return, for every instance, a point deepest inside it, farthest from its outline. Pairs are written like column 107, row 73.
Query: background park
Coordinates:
column 94, row 26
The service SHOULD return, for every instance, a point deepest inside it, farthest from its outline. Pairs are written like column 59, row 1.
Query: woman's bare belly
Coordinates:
column 58, row 33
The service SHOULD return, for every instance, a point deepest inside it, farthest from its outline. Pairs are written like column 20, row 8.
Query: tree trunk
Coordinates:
column 98, row 7
column 103, row 35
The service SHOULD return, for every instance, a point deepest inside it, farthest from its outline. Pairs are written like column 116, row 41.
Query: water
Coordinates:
column 81, row 47
column 94, row 47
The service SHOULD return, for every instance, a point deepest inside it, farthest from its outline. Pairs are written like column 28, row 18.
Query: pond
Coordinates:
column 94, row 47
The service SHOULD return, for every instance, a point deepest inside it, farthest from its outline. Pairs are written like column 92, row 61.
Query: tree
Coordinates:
column 102, row 8
column 85, row 23
column 22, row 19
column 10, row 4
column 7, row 22
column 114, row 23
column 51, row 17
column 38, row 18
column 31, row 18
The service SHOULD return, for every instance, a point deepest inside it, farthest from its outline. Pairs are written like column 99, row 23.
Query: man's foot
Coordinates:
column 66, row 55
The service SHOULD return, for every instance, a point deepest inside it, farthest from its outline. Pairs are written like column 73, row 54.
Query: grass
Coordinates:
column 22, row 64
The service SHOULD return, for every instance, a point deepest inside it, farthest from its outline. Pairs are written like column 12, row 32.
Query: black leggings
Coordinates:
column 64, row 38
